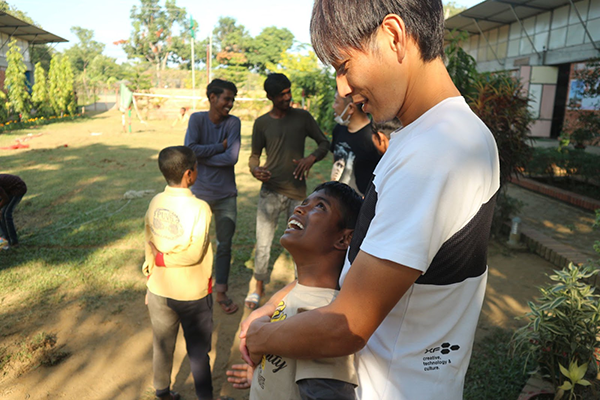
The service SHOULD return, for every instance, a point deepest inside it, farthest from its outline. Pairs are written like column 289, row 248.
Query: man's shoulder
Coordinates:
column 300, row 113
column 199, row 115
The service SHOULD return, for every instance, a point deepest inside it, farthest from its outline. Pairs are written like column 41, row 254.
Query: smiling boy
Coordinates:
column 214, row 136
column 317, row 237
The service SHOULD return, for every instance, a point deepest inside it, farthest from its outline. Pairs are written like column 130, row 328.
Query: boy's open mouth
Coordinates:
column 293, row 224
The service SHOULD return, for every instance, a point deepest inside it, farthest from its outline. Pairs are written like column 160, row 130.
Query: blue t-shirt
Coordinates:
column 216, row 173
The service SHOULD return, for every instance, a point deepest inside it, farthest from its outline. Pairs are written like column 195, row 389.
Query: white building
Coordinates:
column 540, row 41
column 27, row 35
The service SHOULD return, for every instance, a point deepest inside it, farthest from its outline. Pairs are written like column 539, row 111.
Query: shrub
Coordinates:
column 564, row 324
column 546, row 162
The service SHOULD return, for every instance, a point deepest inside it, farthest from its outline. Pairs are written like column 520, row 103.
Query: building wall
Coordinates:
column 23, row 45
column 534, row 48
column 554, row 37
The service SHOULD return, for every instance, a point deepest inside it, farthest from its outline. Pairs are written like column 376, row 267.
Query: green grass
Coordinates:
column 81, row 241
column 493, row 373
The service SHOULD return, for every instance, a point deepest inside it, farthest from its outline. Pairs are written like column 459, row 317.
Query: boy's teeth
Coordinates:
column 293, row 223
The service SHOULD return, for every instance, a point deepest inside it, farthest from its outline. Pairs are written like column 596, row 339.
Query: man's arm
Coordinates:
column 232, row 151
column 193, row 139
column 304, row 165
column 258, row 144
column 371, row 289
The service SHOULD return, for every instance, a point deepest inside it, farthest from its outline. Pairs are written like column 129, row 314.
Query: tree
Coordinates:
column 267, row 47
column 39, row 95
column 152, row 38
column 16, row 81
column 231, row 42
column 62, row 96
column 82, row 53
column 451, row 8
column 461, row 66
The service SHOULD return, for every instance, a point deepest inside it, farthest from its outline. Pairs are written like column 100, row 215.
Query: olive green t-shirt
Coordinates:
column 283, row 139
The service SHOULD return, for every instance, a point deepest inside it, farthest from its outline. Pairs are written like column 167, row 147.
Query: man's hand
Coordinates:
column 240, row 375
column 225, row 144
column 303, row 166
column 258, row 314
column 261, row 173
column 252, row 337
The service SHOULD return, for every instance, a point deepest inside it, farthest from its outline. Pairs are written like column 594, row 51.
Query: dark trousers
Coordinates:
column 225, row 214
column 196, row 320
column 7, row 225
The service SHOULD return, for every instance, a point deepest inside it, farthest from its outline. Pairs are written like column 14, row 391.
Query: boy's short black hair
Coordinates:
column 276, row 83
column 174, row 161
column 352, row 24
column 350, row 201
column 218, row 86
column 388, row 127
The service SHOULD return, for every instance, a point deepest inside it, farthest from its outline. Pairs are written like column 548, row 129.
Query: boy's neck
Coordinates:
column 322, row 272
column 182, row 185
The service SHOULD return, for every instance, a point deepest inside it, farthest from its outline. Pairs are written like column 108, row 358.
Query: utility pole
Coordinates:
column 193, row 34
column 208, row 59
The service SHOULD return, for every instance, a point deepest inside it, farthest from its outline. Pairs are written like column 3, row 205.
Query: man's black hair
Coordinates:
column 276, row 83
column 218, row 86
column 350, row 201
column 338, row 25
column 174, row 161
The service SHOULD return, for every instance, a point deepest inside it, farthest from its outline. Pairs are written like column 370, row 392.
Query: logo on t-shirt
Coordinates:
column 437, row 357
column 166, row 224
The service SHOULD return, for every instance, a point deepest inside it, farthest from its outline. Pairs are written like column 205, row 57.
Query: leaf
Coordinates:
column 564, row 371
column 566, row 386
column 584, row 382
column 578, row 372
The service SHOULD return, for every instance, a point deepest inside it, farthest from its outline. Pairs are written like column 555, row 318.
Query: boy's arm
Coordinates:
column 193, row 139
column 267, row 310
column 195, row 251
column 325, row 389
column 230, row 156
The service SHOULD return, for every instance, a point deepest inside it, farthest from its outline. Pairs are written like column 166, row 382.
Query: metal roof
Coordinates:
column 25, row 31
column 491, row 14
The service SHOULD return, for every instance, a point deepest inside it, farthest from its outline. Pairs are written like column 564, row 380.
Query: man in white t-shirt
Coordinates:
column 414, row 280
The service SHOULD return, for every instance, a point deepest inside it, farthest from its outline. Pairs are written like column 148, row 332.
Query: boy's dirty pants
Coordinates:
column 196, row 320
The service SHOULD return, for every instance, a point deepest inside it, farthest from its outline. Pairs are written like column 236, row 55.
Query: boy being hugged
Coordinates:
column 178, row 266
column 317, row 237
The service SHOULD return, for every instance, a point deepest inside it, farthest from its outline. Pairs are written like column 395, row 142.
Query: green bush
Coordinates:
column 564, row 324
column 545, row 162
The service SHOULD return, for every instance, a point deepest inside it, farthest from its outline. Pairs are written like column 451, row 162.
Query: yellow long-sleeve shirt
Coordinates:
column 178, row 224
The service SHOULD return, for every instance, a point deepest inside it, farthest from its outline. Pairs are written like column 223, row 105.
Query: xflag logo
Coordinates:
column 445, row 348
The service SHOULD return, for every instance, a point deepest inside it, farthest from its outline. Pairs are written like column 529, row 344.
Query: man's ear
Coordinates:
column 344, row 240
column 394, row 35
column 212, row 98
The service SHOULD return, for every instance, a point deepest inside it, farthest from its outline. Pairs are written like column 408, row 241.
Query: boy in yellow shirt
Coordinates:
column 178, row 266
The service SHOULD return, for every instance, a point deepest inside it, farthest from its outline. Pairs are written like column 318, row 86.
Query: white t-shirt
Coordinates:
column 275, row 377
column 429, row 208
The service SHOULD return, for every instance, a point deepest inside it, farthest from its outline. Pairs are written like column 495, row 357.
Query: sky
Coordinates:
column 109, row 19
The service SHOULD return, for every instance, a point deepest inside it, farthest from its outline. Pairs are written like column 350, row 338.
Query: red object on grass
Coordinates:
column 15, row 147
